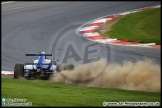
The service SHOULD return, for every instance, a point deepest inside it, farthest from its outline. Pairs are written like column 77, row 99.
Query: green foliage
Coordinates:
column 143, row 26
column 47, row 93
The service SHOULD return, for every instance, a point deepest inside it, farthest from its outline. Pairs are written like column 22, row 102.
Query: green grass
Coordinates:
column 46, row 93
column 141, row 26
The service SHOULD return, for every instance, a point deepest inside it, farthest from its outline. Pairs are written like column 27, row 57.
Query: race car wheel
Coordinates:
column 62, row 67
column 70, row 67
column 18, row 71
column 58, row 68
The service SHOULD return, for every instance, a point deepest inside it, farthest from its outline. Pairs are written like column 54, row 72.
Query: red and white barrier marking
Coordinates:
column 7, row 73
column 88, row 30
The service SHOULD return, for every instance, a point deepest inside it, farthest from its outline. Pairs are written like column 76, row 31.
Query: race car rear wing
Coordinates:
column 36, row 55
column 39, row 54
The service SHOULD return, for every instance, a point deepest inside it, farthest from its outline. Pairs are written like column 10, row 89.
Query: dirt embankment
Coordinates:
column 105, row 27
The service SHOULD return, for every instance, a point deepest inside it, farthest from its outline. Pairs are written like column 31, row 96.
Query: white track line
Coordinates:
column 105, row 40
column 7, row 2
column 87, row 28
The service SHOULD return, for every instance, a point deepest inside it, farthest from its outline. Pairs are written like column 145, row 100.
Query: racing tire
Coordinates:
column 58, row 68
column 18, row 71
column 62, row 67
column 69, row 67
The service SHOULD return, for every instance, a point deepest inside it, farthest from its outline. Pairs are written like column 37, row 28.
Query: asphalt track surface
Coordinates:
column 31, row 27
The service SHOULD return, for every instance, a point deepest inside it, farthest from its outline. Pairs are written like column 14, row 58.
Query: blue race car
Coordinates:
column 40, row 68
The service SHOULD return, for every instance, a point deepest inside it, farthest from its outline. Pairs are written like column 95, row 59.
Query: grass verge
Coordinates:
column 141, row 26
column 46, row 93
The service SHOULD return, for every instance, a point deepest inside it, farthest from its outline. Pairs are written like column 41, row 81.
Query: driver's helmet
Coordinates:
column 43, row 52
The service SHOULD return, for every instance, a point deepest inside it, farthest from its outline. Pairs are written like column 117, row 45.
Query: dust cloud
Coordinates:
column 142, row 75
